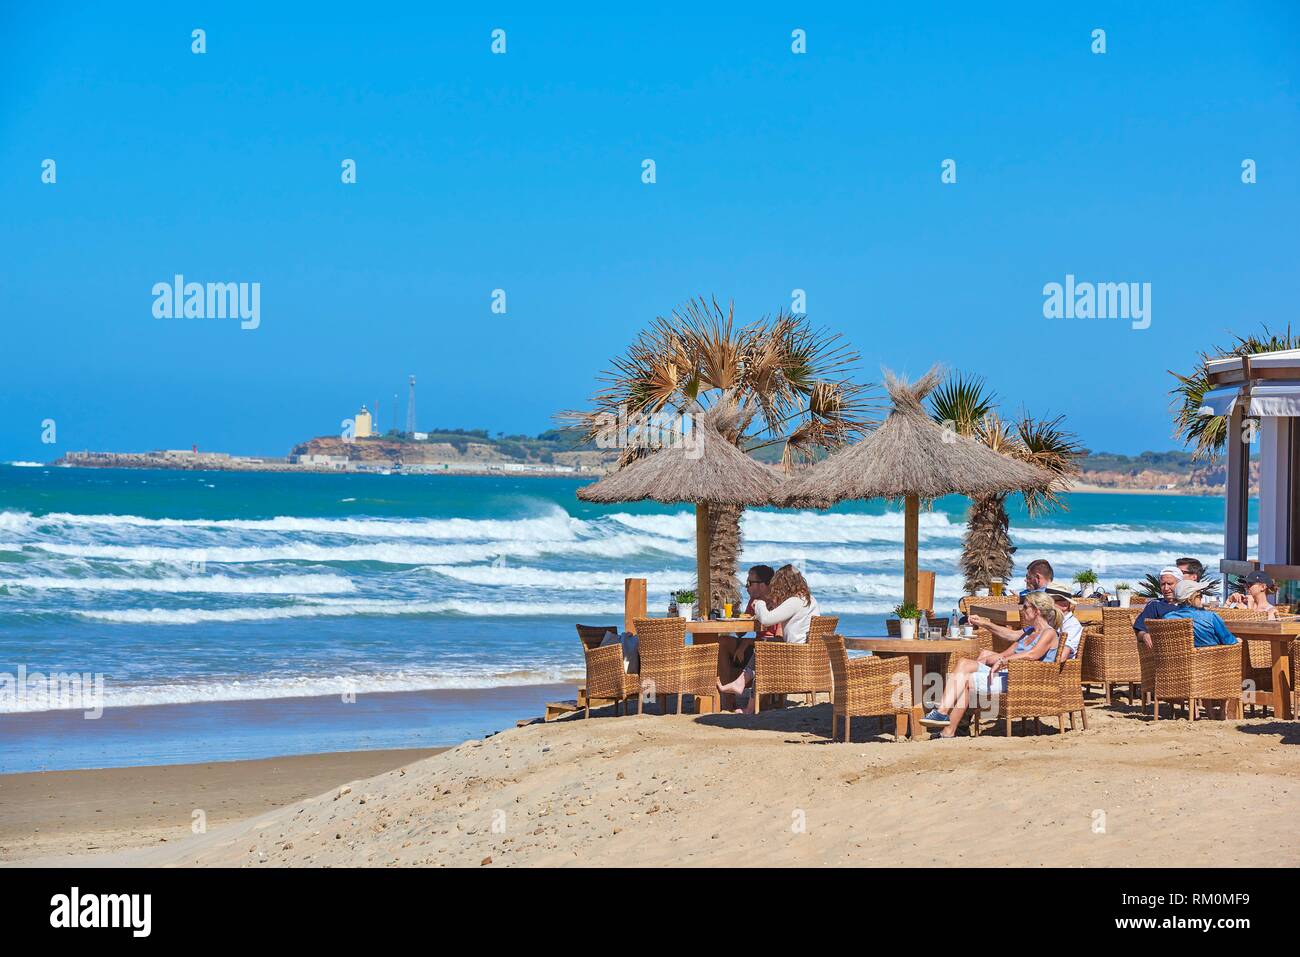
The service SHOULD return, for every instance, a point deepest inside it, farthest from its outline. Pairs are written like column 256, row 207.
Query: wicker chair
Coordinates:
column 1179, row 671
column 864, row 687
column 782, row 669
column 593, row 635
column 1295, row 675
column 1072, row 685
column 670, row 666
column 1257, row 656
column 605, row 675
column 1033, row 691
column 1112, row 656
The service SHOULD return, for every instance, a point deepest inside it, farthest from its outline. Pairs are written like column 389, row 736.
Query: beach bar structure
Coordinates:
column 1259, row 396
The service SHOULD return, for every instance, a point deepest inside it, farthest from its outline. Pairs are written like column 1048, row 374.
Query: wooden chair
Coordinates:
column 669, row 666
column 1112, row 656
column 781, row 669
column 1181, row 672
column 605, row 675
column 925, row 591
column 864, row 687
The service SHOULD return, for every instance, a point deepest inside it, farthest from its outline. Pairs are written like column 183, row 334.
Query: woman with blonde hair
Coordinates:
column 790, row 605
column 987, row 675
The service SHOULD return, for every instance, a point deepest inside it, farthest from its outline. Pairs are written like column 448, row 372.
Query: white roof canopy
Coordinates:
column 1272, row 398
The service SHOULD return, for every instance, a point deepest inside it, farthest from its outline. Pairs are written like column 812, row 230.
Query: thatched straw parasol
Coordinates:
column 910, row 457
column 705, row 469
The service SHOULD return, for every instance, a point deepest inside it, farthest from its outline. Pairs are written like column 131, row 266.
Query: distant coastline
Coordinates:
column 565, row 453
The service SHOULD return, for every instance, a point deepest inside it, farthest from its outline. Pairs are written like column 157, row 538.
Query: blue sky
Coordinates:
column 775, row 171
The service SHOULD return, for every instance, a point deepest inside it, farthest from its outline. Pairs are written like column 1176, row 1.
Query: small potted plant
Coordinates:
column 1124, row 592
column 686, row 598
column 1087, row 582
column 908, row 615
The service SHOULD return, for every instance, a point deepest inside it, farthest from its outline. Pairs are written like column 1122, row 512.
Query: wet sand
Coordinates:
column 54, row 813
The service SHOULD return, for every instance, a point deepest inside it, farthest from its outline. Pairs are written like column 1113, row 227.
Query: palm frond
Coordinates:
column 1044, row 443
column 963, row 400
column 1205, row 432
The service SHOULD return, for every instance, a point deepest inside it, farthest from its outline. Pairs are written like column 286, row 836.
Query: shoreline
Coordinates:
column 520, row 471
column 162, row 735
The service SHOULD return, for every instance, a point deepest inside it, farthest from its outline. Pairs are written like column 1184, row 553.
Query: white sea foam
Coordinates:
column 554, row 524
column 804, row 527
column 211, row 584
column 307, row 686
column 392, row 553
column 349, row 608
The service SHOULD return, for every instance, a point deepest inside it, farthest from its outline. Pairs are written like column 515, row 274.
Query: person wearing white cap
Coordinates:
column 1207, row 627
column 1071, row 629
column 1159, row 607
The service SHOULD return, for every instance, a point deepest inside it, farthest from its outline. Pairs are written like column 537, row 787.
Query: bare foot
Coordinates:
column 734, row 687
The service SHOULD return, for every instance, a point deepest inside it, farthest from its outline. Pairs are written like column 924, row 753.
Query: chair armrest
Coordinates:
column 1026, row 670
column 882, row 674
column 605, row 671
column 700, row 668
column 1219, row 669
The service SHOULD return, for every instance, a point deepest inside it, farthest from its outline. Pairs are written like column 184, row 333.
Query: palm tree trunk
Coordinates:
column 986, row 549
column 724, row 553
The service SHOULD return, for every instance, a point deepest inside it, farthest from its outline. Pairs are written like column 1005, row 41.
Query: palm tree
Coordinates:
column 1208, row 433
column 966, row 405
column 785, row 381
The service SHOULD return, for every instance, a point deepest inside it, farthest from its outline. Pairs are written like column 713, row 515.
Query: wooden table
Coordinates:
column 710, row 630
column 1279, row 635
column 915, row 650
column 1009, row 615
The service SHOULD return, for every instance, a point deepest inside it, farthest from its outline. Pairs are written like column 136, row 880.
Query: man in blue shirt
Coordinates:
column 1159, row 607
column 1207, row 627
column 1037, row 576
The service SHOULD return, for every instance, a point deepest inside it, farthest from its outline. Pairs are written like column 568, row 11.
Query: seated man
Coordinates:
column 1071, row 629
column 1038, row 576
column 1207, row 627
column 1192, row 569
column 735, row 652
column 1159, row 607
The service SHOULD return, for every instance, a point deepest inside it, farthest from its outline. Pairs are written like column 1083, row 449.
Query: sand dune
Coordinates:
column 771, row 790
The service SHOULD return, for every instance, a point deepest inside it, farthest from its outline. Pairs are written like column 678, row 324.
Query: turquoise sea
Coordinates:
column 237, row 615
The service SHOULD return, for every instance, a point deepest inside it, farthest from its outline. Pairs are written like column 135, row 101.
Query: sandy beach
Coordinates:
column 743, row 790
column 53, row 813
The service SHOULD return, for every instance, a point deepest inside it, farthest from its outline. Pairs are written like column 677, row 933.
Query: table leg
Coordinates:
column 917, row 727
column 1282, row 683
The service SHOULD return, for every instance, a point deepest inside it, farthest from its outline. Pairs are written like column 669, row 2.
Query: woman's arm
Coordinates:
column 778, row 615
column 1007, row 634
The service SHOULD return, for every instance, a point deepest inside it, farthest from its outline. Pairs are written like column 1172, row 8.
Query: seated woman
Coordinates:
column 1207, row 627
column 987, row 675
column 1259, row 585
column 789, row 604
